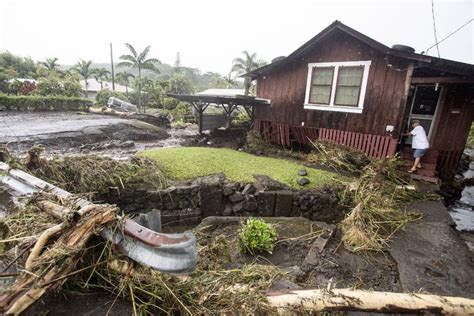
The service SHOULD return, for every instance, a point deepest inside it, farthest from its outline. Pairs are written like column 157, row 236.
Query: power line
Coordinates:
column 434, row 28
column 449, row 35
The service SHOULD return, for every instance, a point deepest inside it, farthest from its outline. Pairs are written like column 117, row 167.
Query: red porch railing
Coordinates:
column 376, row 146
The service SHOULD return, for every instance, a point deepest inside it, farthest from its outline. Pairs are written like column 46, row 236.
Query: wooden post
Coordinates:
column 200, row 120
column 250, row 109
column 229, row 109
column 112, row 66
column 200, row 107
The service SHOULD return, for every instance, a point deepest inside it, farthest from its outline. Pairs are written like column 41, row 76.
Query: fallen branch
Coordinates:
column 57, row 211
column 65, row 252
column 41, row 242
column 369, row 301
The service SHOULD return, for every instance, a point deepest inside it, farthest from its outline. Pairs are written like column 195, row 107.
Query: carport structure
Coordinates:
column 229, row 103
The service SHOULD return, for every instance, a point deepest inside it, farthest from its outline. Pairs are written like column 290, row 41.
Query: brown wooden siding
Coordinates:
column 452, row 127
column 384, row 97
column 454, row 118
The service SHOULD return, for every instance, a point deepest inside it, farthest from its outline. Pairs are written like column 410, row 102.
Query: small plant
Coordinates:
column 257, row 236
column 179, row 124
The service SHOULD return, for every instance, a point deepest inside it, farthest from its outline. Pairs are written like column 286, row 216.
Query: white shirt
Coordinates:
column 420, row 141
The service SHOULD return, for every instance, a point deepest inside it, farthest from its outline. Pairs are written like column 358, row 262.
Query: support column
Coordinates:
column 229, row 109
column 200, row 107
column 250, row 109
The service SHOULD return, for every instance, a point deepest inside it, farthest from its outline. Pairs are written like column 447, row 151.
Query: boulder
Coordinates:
column 228, row 190
column 249, row 189
column 238, row 208
column 236, row 197
column 303, row 181
column 302, row 173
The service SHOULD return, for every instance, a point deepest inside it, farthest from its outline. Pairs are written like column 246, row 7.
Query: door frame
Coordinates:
column 434, row 117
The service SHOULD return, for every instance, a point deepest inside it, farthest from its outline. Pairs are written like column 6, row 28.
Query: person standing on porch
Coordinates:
column 419, row 143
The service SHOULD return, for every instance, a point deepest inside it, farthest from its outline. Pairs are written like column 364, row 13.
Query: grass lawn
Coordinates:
column 191, row 162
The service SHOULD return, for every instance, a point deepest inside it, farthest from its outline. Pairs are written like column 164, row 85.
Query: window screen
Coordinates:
column 349, row 81
column 321, row 84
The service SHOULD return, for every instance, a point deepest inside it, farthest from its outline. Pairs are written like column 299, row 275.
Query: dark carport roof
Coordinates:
column 441, row 64
column 220, row 99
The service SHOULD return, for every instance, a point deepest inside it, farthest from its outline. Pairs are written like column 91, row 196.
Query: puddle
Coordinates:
column 462, row 211
column 463, row 217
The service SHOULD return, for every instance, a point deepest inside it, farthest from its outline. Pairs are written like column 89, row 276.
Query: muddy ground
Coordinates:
column 65, row 133
column 311, row 253
column 427, row 256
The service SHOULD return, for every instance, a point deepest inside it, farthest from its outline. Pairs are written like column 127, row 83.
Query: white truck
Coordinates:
column 120, row 105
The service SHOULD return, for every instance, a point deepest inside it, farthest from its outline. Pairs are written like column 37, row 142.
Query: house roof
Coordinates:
column 242, row 100
column 94, row 85
column 428, row 61
column 222, row 92
column 22, row 80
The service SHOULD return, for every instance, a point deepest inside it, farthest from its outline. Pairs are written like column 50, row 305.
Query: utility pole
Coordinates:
column 112, row 64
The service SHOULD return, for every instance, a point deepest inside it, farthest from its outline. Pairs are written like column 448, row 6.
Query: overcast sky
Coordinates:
column 209, row 34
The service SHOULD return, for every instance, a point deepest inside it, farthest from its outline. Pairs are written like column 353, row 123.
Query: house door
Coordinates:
column 424, row 107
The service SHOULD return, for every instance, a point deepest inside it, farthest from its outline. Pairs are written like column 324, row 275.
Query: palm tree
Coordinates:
column 139, row 61
column 101, row 74
column 230, row 81
column 124, row 78
column 50, row 64
column 83, row 69
column 246, row 64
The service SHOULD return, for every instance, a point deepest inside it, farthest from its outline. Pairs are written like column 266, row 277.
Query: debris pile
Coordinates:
column 65, row 252
column 380, row 196
column 55, row 250
column 96, row 174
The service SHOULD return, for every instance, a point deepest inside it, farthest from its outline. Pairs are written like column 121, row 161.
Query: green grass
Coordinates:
column 192, row 162
column 470, row 139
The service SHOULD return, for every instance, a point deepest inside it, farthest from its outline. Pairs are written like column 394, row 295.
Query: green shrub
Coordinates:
column 170, row 103
column 54, row 85
column 242, row 117
column 179, row 124
column 43, row 103
column 103, row 96
column 470, row 139
column 257, row 236
column 182, row 110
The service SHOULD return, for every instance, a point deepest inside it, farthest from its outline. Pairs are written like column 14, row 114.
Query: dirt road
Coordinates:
column 64, row 131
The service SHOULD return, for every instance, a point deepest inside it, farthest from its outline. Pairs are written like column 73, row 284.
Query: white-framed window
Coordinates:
column 338, row 86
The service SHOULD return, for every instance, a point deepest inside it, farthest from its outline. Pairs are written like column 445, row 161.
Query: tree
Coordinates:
column 83, row 69
column 245, row 64
column 177, row 63
column 139, row 61
column 54, row 85
column 180, row 84
column 22, row 67
column 101, row 75
column 230, row 81
column 50, row 64
column 124, row 78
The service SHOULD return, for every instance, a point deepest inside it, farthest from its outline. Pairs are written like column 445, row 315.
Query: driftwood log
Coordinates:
column 369, row 301
column 40, row 275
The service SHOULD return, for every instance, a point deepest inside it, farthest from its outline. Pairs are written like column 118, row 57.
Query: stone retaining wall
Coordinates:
column 214, row 196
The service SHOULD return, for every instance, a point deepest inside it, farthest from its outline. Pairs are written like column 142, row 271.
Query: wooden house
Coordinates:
column 344, row 86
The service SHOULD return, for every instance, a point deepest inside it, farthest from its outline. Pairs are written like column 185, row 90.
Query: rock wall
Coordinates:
column 214, row 196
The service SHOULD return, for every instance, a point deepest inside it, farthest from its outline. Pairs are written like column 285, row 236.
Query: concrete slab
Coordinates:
column 430, row 255
column 20, row 126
